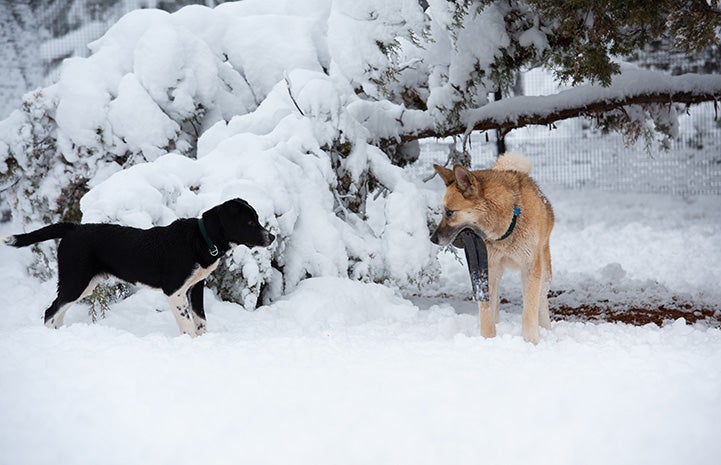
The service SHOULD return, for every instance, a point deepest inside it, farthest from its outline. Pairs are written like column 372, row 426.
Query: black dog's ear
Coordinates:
column 242, row 202
column 230, row 214
column 233, row 216
column 240, row 224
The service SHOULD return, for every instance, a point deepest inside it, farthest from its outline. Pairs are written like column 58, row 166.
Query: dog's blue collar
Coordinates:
column 516, row 213
column 211, row 247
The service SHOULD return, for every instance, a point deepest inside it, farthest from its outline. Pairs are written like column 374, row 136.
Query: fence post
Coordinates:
column 500, row 138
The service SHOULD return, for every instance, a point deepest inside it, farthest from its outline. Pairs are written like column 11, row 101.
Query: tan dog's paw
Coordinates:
column 530, row 335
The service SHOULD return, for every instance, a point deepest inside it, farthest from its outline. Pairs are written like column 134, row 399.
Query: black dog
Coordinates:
column 175, row 258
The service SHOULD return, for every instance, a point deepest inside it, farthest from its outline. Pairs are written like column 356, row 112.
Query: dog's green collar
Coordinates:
column 516, row 212
column 211, row 247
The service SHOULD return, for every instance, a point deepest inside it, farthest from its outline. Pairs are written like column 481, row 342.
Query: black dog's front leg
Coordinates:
column 196, row 306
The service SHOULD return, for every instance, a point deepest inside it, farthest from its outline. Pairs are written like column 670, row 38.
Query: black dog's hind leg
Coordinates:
column 56, row 312
column 196, row 306
column 76, row 279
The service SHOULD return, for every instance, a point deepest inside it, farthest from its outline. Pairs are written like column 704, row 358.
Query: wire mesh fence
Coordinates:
column 576, row 156
column 581, row 158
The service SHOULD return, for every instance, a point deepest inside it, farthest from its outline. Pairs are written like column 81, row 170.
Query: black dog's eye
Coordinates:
column 449, row 213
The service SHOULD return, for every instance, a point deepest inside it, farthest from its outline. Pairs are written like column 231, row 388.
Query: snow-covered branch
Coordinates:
column 632, row 87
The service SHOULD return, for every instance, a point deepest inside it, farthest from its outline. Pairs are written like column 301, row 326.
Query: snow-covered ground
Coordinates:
column 344, row 372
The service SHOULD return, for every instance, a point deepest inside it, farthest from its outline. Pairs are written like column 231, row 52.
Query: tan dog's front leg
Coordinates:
column 488, row 320
column 495, row 272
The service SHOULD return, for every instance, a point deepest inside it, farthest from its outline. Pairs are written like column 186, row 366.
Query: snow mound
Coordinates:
column 342, row 304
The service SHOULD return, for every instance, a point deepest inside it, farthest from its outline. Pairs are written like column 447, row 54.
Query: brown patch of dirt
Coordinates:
column 639, row 316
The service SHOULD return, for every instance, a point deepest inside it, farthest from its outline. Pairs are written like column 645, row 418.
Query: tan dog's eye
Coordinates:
column 449, row 213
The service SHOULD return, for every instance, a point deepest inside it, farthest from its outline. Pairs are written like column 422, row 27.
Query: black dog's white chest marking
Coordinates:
column 199, row 274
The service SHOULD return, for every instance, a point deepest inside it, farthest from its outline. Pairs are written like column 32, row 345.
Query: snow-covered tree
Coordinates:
column 36, row 35
column 308, row 109
column 20, row 38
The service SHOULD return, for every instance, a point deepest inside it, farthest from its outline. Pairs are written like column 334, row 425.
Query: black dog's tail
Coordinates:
column 54, row 231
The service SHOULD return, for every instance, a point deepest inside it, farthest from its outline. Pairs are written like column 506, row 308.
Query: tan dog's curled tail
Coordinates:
column 512, row 162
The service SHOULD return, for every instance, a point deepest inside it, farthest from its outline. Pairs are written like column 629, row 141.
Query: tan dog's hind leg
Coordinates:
column 488, row 320
column 544, row 317
column 531, row 291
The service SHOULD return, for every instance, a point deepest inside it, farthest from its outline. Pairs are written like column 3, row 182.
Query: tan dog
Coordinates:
column 505, row 207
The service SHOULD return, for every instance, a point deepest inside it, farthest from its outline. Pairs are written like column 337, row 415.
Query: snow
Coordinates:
column 340, row 371
column 144, row 134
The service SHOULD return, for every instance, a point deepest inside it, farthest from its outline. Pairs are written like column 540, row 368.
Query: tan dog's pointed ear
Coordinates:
column 466, row 182
column 445, row 174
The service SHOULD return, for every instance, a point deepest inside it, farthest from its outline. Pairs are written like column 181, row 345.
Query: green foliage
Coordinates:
column 103, row 295
column 31, row 157
column 586, row 34
column 351, row 193
column 68, row 203
column 693, row 24
column 651, row 124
